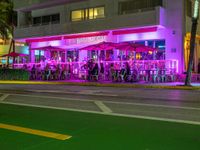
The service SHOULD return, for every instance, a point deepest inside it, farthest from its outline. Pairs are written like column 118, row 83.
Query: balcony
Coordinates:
column 152, row 17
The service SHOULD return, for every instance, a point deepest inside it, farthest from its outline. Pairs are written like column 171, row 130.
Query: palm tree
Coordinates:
column 4, row 19
column 7, row 23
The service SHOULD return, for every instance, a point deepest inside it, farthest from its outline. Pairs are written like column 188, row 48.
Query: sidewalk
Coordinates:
column 170, row 85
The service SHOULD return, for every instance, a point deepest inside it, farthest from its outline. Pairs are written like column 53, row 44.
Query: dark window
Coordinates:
column 132, row 6
column 46, row 19
column 37, row 20
column 55, row 18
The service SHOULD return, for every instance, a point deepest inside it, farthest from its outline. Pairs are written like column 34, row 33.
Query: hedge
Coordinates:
column 14, row 74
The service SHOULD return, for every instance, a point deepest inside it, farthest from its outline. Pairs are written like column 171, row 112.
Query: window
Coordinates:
column 77, row 15
column 88, row 13
column 55, row 18
column 132, row 6
column 46, row 19
column 37, row 20
column 98, row 12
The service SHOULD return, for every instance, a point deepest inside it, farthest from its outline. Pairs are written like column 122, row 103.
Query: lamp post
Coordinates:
column 192, row 43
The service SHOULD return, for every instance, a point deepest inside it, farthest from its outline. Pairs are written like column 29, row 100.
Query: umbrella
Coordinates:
column 14, row 54
column 100, row 46
column 53, row 48
column 134, row 47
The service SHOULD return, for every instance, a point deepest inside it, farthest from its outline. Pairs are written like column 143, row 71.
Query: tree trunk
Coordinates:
column 11, row 43
column 192, row 48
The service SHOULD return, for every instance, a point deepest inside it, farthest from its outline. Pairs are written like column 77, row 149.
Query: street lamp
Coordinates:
column 192, row 43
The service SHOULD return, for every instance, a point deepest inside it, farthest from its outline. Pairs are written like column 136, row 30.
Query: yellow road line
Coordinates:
column 35, row 132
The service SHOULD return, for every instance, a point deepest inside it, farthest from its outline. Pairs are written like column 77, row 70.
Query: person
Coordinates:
column 122, row 73
column 25, row 67
column 112, row 72
column 102, row 70
column 47, row 72
column 63, row 72
column 57, row 72
column 128, row 72
column 90, row 68
column 33, row 73
column 95, row 71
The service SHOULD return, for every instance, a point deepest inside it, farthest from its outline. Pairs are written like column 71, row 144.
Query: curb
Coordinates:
column 103, row 85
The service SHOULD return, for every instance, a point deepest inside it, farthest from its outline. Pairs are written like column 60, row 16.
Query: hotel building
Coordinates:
column 73, row 24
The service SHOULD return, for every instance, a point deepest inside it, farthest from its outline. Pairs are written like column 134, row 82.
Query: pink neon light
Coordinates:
column 131, row 31
column 86, row 35
column 44, row 39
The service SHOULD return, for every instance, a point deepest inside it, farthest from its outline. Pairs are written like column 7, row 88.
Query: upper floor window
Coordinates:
column 88, row 13
column 132, row 6
column 55, row 18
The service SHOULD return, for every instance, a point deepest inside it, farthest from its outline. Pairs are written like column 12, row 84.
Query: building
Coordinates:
column 20, row 47
column 73, row 24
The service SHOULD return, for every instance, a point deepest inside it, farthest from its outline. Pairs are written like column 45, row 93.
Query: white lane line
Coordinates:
column 79, row 92
column 3, row 97
column 109, row 114
column 103, row 107
column 110, row 102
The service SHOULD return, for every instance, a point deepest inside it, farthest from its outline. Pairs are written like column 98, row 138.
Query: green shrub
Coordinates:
column 14, row 74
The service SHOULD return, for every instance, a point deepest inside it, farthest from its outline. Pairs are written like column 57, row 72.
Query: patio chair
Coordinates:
column 155, row 75
column 122, row 75
column 95, row 76
column 47, row 74
column 171, row 76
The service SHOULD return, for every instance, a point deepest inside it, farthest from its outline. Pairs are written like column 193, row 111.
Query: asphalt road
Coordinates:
column 180, row 105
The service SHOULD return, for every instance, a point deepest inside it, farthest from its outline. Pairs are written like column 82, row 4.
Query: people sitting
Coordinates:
column 57, row 72
column 47, row 73
column 33, row 73
column 102, row 71
column 90, row 68
column 95, row 72
column 127, row 76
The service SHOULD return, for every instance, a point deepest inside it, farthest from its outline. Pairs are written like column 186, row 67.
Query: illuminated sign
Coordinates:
column 86, row 40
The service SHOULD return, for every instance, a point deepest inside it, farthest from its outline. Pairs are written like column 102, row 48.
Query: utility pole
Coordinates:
column 192, row 43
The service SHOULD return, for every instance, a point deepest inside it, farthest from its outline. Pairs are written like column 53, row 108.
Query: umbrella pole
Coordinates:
column 14, row 52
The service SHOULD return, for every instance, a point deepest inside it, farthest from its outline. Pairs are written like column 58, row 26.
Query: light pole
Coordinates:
column 192, row 43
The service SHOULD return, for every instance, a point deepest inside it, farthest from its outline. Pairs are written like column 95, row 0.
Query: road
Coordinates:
column 159, row 104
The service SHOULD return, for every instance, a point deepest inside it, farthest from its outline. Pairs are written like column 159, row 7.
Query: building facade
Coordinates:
column 73, row 24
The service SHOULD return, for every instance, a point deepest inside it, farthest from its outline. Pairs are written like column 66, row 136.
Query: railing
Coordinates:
column 138, row 64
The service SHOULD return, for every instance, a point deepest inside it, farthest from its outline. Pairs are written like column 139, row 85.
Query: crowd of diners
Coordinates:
column 102, row 71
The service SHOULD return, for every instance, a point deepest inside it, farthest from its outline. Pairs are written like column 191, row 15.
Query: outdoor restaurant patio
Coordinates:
column 105, row 61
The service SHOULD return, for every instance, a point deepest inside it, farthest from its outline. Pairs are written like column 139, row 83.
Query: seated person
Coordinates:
column 47, row 73
column 95, row 71
column 127, row 72
column 33, row 73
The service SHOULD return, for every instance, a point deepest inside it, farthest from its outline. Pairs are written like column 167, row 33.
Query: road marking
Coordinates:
column 3, row 97
column 109, row 114
column 35, row 132
column 111, row 102
column 103, row 107
column 85, row 92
